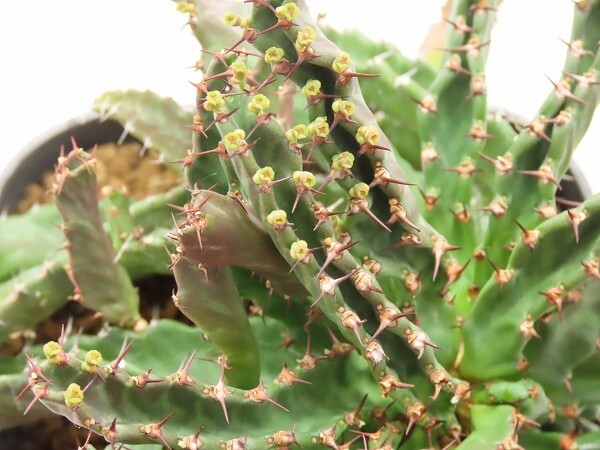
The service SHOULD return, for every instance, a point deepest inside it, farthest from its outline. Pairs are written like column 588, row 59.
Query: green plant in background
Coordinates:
column 387, row 271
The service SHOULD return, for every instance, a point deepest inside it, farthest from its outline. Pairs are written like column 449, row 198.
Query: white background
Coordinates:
column 57, row 56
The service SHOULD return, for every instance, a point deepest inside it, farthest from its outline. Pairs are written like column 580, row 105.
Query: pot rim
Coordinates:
column 41, row 152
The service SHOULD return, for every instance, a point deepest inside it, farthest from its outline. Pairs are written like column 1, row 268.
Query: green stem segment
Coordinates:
column 99, row 283
column 212, row 302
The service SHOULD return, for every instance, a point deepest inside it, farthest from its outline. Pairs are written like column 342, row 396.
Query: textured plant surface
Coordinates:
column 373, row 266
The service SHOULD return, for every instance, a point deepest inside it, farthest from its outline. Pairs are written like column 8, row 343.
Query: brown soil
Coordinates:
column 119, row 166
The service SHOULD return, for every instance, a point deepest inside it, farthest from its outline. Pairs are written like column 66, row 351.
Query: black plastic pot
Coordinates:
column 42, row 153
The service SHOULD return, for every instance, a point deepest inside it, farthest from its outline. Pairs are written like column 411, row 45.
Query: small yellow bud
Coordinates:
column 234, row 140
column 214, row 101
column 299, row 250
column 319, row 127
column 305, row 179
column 306, row 36
column 185, row 7
column 344, row 160
column 289, row 11
column 343, row 107
column 239, row 70
column 73, row 396
column 341, row 63
column 93, row 358
column 359, row 191
column 367, row 134
column 264, row 175
column 52, row 351
column 233, row 20
column 311, row 88
column 274, row 55
column 296, row 133
column 278, row 219
column 259, row 104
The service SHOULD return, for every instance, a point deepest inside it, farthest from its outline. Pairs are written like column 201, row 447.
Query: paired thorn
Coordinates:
column 440, row 248
column 114, row 366
column 322, row 213
column 308, row 361
column 388, row 317
column 182, row 377
column 334, row 252
column 288, row 377
column 350, row 320
column 418, row 340
column 575, row 217
column 502, row 276
column 358, row 205
column 327, row 285
column 563, row 91
column 453, row 272
column 39, row 393
column 259, row 395
column 219, row 391
column 154, row 430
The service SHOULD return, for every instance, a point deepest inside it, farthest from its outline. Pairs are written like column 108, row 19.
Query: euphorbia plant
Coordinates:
column 387, row 271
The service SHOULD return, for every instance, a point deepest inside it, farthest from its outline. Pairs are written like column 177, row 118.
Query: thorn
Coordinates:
column 399, row 214
column 86, row 443
column 554, row 296
column 575, row 217
column 440, row 248
column 259, row 394
column 284, row 438
column 288, row 377
column 591, row 268
column 308, row 361
column 182, row 377
column 322, row 213
column 114, row 366
column 415, row 413
column 460, row 25
column 465, row 169
column 144, row 379
column 219, row 392
column 563, row 91
column 502, row 276
column 39, row 393
column 472, row 47
column 357, row 205
column 350, row 320
column 338, row 348
column 545, row 175
column 154, row 430
column 334, row 252
column 453, row 272
column 418, row 340
column 439, row 378
column 387, row 318
column 110, row 433
column 328, row 285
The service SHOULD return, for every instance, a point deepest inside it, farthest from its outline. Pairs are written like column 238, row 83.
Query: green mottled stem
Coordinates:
column 554, row 261
column 32, row 296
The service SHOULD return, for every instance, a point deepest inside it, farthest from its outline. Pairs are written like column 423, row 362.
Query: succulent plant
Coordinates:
column 387, row 271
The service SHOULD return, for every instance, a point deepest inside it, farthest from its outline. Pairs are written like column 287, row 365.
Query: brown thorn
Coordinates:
column 115, row 364
column 40, row 393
